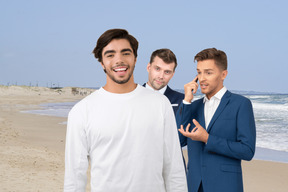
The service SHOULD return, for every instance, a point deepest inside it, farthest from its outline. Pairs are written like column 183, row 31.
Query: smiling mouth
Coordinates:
column 120, row 69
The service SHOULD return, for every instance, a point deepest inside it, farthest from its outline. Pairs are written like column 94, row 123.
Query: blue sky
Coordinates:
column 50, row 42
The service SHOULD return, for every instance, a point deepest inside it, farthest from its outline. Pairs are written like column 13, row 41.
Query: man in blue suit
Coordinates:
column 222, row 131
column 161, row 69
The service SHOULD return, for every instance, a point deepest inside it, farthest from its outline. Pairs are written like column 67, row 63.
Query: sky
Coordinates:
column 50, row 43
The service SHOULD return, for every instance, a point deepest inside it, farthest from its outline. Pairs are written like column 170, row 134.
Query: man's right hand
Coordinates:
column 190, row 89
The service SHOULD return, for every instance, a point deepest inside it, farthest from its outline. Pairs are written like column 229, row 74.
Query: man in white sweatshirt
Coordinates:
column 127, row 132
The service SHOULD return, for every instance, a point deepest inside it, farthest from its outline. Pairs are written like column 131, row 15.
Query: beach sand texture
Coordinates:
column 32, row 146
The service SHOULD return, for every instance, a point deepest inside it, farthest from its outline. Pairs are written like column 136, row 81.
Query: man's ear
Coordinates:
column 173, row 74
column 102, row 65
column 148, row 67
column 224, row 74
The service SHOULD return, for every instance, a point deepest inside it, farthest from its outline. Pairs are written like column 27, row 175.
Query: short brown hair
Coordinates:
column 111, row 34
column 166, row 55
column 218, row 56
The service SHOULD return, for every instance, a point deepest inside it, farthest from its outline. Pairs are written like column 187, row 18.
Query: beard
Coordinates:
column 156, row 86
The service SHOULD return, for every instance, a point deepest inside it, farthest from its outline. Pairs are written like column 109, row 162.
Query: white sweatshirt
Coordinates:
column 131, row 140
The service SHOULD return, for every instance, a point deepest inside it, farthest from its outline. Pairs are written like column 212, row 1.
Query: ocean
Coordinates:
column 271, row 117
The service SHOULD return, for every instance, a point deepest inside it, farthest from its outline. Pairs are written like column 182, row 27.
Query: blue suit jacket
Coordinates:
column 232, row 137
column 174, row 97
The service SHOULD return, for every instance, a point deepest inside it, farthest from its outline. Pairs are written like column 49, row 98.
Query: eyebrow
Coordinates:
column 113, row 51
column 161, row 68
column 157, row 66
column 205, row 69
column 124, row 50
column 109, row 51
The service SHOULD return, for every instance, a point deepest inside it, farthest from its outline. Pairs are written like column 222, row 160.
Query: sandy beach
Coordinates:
column 32, row 146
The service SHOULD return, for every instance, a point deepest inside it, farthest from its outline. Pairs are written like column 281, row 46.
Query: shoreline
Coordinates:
column 261, row 153
column 32, row 146
column 32, row 149
column 271, row 155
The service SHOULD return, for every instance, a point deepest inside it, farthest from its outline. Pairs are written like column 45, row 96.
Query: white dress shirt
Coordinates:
column 162, row 91
column 211, row 105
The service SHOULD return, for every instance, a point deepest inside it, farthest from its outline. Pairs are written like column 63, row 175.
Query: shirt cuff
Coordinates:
column 186, row 103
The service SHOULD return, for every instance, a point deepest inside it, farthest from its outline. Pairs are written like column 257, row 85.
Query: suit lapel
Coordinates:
column 223, row 103
column 167, row 92
column 201, row 115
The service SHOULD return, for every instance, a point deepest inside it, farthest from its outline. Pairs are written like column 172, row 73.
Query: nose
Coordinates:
column 118, row 58
column 161, row 74
column 201, row 77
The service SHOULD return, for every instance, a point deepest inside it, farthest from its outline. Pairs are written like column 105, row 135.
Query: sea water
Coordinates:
column 271, row 118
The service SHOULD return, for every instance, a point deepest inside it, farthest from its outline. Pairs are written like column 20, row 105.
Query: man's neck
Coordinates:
column 162, row 91
column 210, row 96
column 114, row 87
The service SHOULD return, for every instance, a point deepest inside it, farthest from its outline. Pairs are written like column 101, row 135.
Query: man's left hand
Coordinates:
column 198, row 133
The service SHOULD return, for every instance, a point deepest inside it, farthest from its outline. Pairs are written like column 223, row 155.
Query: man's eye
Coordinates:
column 127, row 53
column 167, row 72
column 157, row 68
column 110, row 55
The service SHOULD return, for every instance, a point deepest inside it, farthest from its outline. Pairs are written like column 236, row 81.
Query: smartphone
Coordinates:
column 196, row 82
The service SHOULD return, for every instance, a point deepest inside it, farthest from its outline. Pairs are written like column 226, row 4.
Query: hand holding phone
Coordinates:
column 190, row 89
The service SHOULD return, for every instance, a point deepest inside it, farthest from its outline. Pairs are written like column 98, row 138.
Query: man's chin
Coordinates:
column 205, row 92
column 156, row 88
column 122, row 81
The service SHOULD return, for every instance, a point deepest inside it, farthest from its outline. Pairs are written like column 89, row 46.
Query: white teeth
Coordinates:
column 120, row 69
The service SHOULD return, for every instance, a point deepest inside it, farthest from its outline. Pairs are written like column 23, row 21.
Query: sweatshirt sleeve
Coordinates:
column 173, row 170
column 76, row 151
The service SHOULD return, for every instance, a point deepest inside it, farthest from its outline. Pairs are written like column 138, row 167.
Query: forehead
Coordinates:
column 160, row 63
column 208, row 64
column 117, row 45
